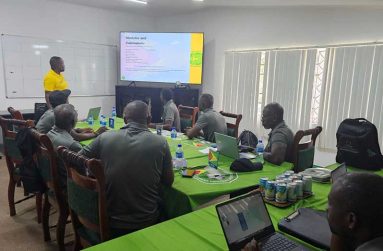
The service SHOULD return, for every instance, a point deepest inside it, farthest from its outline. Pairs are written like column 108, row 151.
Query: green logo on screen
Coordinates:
column 196, row 58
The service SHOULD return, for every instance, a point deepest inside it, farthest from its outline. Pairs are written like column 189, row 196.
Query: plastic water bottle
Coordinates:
column 260, row 147
column 90, row 120
column 179, row 161
column 173, row 133
column 114, row 113
column 102, row 120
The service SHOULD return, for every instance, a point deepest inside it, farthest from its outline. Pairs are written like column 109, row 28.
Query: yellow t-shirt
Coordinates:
column 54, row 82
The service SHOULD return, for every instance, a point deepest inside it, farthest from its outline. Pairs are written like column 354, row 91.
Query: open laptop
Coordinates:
column 246, row 217
column 94, row 112
column 228, row 146
column 338, row 172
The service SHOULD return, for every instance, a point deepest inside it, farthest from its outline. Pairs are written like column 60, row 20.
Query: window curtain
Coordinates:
column 352, row 88
column 289, row 76
column 241, row 87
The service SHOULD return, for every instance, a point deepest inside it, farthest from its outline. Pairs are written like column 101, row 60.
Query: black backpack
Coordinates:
column 247, row 138
column 358, row 145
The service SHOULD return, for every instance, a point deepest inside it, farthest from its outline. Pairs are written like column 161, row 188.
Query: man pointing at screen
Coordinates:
column 54, row 80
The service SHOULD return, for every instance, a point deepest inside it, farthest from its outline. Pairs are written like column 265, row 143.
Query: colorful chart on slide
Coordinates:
column 161, row 57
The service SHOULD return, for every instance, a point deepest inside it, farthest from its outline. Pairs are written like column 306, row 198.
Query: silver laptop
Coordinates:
column 94, row 112
column 228, row 146
column 340, row 171
column 246, row 217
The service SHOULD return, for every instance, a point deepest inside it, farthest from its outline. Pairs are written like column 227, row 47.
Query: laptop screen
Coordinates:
column 243, row 217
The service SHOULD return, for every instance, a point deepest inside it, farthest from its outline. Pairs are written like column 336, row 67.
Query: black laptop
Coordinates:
column 246, row 217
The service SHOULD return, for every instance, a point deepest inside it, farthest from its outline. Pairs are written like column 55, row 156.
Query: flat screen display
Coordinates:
column 161, row 57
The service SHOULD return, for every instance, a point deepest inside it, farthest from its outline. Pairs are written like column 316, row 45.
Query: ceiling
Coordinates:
column 173, row 7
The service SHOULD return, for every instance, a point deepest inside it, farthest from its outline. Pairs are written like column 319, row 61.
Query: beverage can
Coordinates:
column 281, row 193
column 111, row 122
column 307, row 184
column 299, row 189
column 291, row 194
column 270, row 190
column 262, row 184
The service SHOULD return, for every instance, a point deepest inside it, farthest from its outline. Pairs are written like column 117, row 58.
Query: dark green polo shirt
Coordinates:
column 61, row 137
column 46, row 122
column 210, row 121
column 282, row 134
column 134, row 159
column 171, row 113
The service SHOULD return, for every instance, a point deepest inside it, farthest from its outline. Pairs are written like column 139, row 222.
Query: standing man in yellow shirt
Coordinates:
column 54, row 80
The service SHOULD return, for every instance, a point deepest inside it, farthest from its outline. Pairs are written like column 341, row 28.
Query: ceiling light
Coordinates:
column 40, row 46
column 138, row 1
column 198, row 0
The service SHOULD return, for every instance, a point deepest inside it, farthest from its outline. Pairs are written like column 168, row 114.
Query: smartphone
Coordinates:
column 187, row 173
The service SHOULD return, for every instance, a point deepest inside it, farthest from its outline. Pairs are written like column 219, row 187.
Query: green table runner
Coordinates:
column 201, row 230
column 186, row 194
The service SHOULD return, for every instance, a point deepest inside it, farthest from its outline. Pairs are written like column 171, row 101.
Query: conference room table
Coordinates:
column 200, row 229
column 188, row 194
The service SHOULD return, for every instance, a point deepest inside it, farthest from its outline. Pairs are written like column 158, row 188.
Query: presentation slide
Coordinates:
column 161, row 57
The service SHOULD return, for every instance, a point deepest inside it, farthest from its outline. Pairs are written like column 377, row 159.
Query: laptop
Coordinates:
column 246, row 217
column 338, row 172
column 228, row 146
column 94, row 112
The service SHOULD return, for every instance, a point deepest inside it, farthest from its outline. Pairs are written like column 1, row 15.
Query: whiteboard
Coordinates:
column 90, row 69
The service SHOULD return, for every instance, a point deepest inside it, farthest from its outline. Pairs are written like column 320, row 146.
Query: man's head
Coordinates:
column 65, row 117
column 137, row 111
column 272, row 115
column 59, row 97
column 206, row 101
column 355, row 207
column 166, row 95
column 57, row 64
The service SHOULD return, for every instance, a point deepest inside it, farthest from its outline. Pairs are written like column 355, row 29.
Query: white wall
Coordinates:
column 55, row 20
column 252, row 28
column 259, row 28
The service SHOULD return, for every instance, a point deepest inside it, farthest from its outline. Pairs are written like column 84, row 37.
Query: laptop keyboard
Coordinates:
column 278, row 243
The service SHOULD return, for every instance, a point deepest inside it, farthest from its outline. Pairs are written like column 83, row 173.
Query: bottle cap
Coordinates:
column 179, row 145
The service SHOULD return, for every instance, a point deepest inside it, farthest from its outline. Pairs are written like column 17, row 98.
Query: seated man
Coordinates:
column 136, row 163
column 65, row 118
column 170, row 116
column 355, row 212
column 209, row 121
column 47, row 120
column 281, row 138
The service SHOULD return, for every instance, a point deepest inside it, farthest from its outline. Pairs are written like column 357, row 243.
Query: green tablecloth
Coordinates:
column 201, row 230
column 186, row 194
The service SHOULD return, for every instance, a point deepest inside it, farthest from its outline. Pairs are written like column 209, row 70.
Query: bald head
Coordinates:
column 57, row 64
column 362, row 195
column 206, row 101
column 137, row 111
column 65, row 116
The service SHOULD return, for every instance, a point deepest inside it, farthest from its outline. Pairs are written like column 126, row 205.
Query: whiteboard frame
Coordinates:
column 55, row 40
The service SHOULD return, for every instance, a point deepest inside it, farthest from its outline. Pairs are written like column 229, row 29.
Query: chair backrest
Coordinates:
column 15, row 114
column 48, row 162
column 10, row 128
column 40, row 109
column 188, row 116
column 232, row 129
column 86, row 197
column 303, row 153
